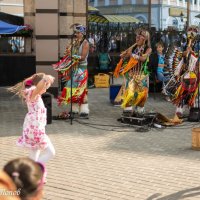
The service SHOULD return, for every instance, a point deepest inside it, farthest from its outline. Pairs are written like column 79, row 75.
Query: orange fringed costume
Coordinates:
column 122, row 67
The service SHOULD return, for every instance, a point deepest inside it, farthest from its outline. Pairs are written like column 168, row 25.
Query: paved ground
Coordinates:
column 101, row 158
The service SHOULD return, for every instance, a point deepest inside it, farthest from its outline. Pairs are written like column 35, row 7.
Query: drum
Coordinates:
column 171, row 87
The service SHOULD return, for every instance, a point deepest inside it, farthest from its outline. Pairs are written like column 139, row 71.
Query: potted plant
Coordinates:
column 26, row 32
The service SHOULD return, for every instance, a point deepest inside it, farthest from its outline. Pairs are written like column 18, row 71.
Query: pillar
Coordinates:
column 29, row 18
column 51, row 21
column 192, row 4
column 46, row 37
column 183, row 3
column 95, row 3
column 107, row 2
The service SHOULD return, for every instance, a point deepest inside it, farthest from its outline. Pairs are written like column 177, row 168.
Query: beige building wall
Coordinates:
column 51, row 21
column 29, row 18
column 13, row 7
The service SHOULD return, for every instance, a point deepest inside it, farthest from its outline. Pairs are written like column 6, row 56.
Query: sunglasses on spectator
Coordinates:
column 140, row 36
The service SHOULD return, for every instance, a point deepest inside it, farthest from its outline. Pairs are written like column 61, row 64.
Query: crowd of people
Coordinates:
column 117, row 41
column 108, row 42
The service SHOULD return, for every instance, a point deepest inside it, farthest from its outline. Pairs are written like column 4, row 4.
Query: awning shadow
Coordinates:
column 183, row 194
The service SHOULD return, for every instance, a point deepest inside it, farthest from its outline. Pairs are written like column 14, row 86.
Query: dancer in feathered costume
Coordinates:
column 185, row 87
column 78, row 63
column 174, row 62
column 132, row 66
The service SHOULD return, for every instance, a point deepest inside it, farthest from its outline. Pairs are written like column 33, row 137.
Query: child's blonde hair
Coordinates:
column 19, row 88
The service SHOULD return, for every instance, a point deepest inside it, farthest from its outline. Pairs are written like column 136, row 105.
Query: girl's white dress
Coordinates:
column 34, row 135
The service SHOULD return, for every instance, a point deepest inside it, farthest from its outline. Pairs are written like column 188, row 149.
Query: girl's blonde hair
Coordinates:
column 19, row 88
column 146, row 35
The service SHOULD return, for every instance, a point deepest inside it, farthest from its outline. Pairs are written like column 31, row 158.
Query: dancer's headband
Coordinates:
column 80, row 29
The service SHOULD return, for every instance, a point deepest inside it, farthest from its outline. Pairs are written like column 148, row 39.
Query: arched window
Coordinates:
column 142, row 19
column 175, row 22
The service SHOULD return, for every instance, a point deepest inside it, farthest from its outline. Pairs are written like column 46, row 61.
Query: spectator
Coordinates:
column 104, row 61
column 28, row 177
column 156, row 65
column 118, row 43
column 92, row 43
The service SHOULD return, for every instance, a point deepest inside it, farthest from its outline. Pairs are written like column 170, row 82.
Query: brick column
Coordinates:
column 46, row 35
column 29, row 18
column 51, row 21
column 70, row 12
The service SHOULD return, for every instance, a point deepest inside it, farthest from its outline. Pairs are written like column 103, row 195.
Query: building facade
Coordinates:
column 13, row 7
column 165, row 13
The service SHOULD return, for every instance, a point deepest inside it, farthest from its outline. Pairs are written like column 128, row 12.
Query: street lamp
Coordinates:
column 183, row 20
column 182, row 16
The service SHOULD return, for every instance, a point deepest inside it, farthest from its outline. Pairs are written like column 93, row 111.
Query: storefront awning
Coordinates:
column 112, row 19
column 6, row 28
column 90, row 8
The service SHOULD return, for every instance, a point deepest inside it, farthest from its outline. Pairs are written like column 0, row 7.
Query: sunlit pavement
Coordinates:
column 101, row 158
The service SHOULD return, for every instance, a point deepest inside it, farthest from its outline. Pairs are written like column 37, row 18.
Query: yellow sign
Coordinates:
column 176, row 12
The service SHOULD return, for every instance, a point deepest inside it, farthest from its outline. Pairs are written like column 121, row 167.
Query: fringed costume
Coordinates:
column 79, row 78
column 135, row 75
column 183, row 85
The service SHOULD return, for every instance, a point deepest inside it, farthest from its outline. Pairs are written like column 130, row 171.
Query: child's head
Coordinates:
column 35, row 79
column 159, row 47
column 32, row 81
column 28, row 177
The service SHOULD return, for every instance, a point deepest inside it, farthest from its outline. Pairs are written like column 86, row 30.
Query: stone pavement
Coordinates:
column 100, row 158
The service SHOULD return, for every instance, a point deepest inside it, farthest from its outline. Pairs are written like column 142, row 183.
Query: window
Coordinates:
column 174, row 22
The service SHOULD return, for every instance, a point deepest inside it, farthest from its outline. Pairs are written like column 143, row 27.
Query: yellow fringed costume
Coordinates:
column 133, row 67
column 136, row 93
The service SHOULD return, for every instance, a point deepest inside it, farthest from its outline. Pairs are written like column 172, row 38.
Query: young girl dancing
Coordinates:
column 34, row 136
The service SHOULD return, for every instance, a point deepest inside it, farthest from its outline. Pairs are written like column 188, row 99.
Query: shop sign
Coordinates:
column 176, row 12
column 123, row 9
